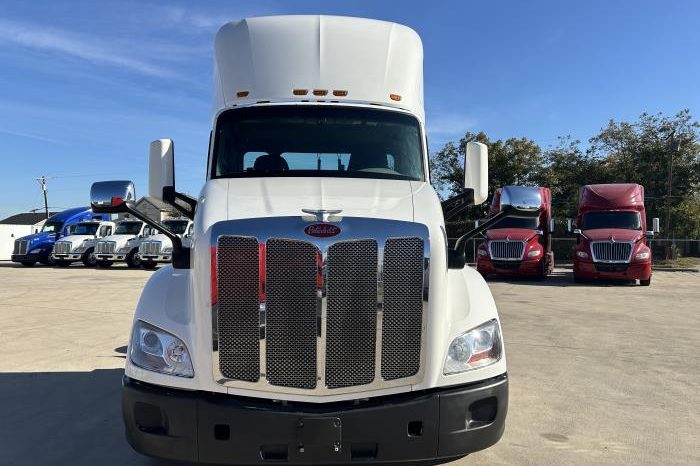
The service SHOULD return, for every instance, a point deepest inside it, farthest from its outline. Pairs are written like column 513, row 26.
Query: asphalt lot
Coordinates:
column 600, row 373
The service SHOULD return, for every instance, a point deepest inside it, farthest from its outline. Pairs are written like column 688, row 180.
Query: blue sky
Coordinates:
column 85, row 85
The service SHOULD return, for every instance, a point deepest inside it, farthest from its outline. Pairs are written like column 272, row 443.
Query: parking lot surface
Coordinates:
column 599, row 373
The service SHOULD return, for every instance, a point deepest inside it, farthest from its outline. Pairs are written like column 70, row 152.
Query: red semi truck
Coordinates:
column 519, row 246
column 611, row 234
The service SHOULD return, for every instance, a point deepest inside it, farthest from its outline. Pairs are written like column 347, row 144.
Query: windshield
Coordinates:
column 128, row 228
column 624, row 220
column 52, row 227
column 515, row 222
column 318, row 141
column 176, row 226
column 86, row 228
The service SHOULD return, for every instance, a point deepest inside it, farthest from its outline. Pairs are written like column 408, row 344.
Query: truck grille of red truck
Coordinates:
column 609, row 251
column 506, row 250
column 294, row 314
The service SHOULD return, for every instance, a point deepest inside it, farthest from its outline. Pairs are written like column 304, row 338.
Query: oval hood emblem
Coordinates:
column 322, row 230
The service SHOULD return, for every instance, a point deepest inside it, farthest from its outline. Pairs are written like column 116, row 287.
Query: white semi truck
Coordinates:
column 320, row 316
column 80, row 244
column 158, row 248
column 123, row 244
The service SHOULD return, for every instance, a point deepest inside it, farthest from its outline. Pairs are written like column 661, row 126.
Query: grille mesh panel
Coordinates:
column 150, row 248
column 609, row 251
column 352, row 313
column 292, row 307
column 105, row 247
column 21, row 247
column 403, row 307
column 238, row 323
column 62, row 247
column 506, row 249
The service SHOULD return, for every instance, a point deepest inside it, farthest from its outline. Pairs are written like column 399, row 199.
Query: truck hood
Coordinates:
column 76, row 240
column 617, row 234
column 119, row 239
column 267, row 197
column 39, row 237
column 513, row 234
column 164, row 240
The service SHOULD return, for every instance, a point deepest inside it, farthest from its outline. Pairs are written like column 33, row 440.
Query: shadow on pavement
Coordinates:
column 65, row 418
column 557, row 278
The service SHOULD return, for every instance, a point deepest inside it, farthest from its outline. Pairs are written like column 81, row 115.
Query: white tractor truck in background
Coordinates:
column 320, row 315
column 80, row 244
column 123, row 244
column 158, row 248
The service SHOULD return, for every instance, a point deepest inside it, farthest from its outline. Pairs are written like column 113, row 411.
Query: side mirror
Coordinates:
column 476, row 171
column 577, row 231
column 650, row 234
column 655, row 225
column 161, row 168
column 111, row 196
column 552, row 224
column 521, row 201
column 539, row 232
column 569, row 224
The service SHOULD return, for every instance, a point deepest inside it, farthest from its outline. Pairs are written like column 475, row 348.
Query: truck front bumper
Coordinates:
column 429, row 427
column 67, row 257
column 626, row 271
column 111, row 257
column 529, row 268
column 159, row 258
column 28, row 257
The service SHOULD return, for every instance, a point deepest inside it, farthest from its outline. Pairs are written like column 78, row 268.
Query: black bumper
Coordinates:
column 429, row 427
column 29, row 257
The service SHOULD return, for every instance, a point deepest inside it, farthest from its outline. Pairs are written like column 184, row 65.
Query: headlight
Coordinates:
column 582, row 254
column 479, row 347
column 124, row 249
column 642, row 256
column 167, row 250
column 483, row 252
column 534, row 253
column 156, row 350
column 35, row 251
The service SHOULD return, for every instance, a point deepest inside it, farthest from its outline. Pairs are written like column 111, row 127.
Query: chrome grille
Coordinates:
column 314, row 313
column 402, row 307
column 292, row 308
column 609, row 251
column 352, row 313
column 238, row 311
column 21, row 246
column 105, row 247
column 62, row 247
column 506, row 250
column 150, row 248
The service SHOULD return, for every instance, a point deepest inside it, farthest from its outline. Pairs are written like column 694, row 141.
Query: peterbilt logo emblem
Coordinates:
column 322, row 230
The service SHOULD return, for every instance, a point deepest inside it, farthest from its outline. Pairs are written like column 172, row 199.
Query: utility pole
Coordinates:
column 675, row 147
column 42, row 183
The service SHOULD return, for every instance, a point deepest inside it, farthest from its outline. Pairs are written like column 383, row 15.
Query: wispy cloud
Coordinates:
column 36, row 137
column 86, row 48
column 200, row 21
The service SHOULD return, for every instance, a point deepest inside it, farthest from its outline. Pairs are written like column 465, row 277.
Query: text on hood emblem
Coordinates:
column 322, row 230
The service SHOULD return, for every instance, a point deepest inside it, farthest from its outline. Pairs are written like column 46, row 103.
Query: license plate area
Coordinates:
column 319, row 436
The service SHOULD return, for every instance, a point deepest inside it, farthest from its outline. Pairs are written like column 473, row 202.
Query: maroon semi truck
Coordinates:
column 519, row 246
column 611, row 234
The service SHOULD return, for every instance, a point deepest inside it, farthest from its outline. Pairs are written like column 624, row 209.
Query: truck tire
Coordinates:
column 28, row 263
column 544, row 269
column 645, row 282
column 48, row 260
column 61, row 263
column 149, row 265
column 103, row 264
column 88, row 258
column 133, row 261
column 577, row 279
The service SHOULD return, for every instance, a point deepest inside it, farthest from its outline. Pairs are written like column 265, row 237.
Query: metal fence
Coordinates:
column 563, row 248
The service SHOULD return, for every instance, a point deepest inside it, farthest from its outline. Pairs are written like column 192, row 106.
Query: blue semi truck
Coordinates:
column 35, row 248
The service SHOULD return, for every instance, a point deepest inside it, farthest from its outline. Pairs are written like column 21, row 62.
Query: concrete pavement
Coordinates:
column 600, row 373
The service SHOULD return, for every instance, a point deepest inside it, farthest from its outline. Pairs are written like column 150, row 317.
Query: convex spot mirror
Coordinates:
column 521, row 201
column 476, row 171
column 111, row 196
